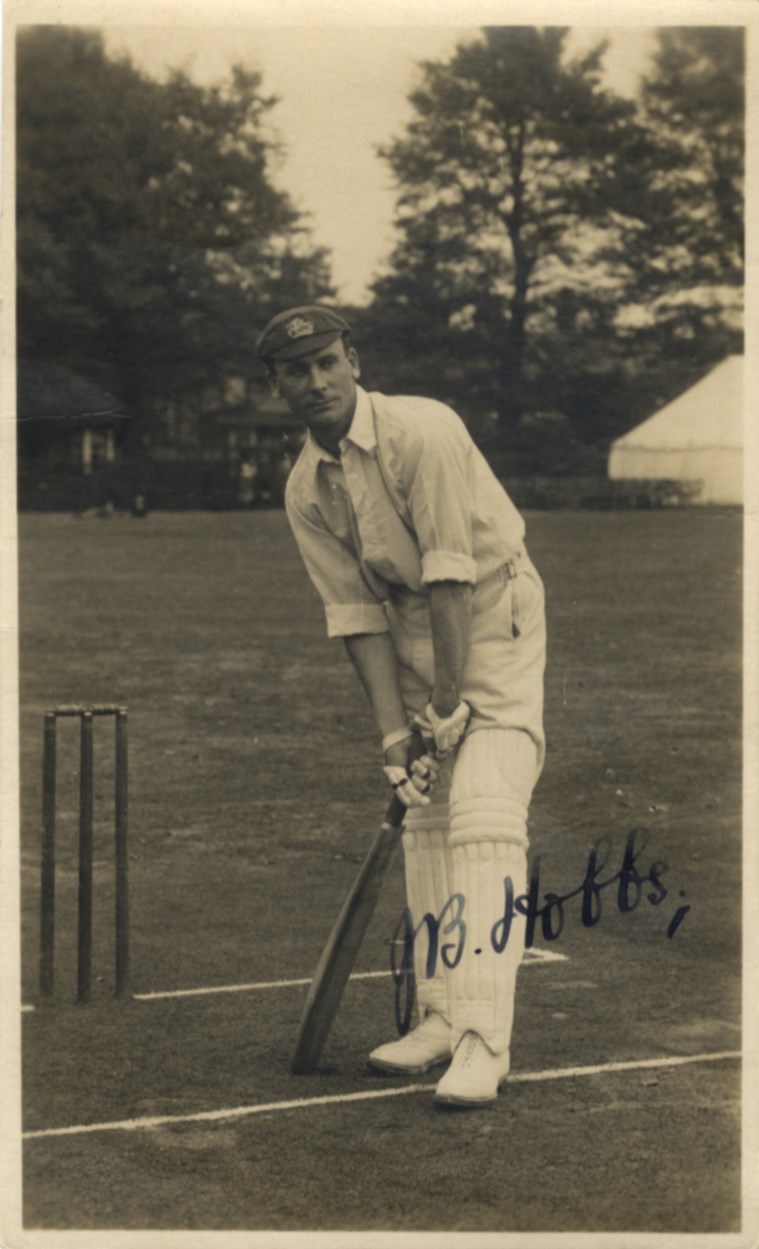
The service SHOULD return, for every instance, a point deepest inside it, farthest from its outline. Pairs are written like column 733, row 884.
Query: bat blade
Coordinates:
column 341, row 948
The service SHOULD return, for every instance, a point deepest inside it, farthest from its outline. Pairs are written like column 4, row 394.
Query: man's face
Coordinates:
column 320, row 389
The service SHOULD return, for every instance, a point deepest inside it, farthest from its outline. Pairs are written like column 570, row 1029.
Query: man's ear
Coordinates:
column 355, row 363
column 273, row 384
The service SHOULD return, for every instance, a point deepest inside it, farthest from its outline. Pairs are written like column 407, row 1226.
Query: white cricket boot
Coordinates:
column 474, row 1075
column 421, row 1048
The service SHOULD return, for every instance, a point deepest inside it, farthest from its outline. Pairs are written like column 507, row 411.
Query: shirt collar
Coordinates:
column 361, row 432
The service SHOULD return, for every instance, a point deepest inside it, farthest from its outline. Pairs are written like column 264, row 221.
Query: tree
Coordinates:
column 502, row 181
column 680, row 193
column 151, row 239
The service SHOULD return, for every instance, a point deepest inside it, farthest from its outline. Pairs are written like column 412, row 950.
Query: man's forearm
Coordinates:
column 450, row 616
column 373, row 657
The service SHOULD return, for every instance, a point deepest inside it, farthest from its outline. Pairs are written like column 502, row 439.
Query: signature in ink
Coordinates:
column 631, row 889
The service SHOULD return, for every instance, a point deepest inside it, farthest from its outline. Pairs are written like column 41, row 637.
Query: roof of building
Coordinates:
column 708, row 414
column 49, row 392
column 258, row 412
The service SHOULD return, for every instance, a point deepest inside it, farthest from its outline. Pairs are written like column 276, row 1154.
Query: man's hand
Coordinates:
column 413, row 782
column 446, row 730
column 414, row 785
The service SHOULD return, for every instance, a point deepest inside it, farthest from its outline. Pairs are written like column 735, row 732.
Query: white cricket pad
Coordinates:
column 482, row 986
column 493, row 778
column 492, row 784
column 429, row 874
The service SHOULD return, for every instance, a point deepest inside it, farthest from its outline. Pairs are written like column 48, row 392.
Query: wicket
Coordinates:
column 86, row 807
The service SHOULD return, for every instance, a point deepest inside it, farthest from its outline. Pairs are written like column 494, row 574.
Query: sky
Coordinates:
column 342, row 92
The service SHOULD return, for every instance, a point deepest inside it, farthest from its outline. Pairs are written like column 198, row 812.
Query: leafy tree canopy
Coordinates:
column 562, row 251
column 152, row 241
column 501, row 176
column 680, row 190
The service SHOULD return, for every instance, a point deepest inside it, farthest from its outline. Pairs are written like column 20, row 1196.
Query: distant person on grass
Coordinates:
column 418, row 555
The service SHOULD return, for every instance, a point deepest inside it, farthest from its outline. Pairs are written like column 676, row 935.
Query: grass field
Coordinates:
column 254, row 791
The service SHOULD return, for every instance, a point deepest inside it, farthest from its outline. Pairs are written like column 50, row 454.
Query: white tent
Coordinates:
column 696, row 439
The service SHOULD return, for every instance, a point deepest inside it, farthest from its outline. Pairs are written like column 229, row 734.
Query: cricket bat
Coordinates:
column 341, row 948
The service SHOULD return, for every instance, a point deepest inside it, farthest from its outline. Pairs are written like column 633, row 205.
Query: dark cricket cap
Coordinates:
column 299, row 330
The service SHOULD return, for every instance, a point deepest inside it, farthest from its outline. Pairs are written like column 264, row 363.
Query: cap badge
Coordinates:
column 299, row 327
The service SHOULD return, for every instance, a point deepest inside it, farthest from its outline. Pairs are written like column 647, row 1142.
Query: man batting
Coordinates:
column 418, row 555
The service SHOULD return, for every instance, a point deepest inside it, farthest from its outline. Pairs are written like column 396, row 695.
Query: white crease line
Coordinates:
column 535, row 955
column 243, row 988
column 532, row 957
column 304, row 1103
column 637, row 1064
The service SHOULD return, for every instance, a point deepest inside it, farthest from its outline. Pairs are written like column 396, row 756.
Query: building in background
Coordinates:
column 227, row 445
column 695, row 442
column 70, row 435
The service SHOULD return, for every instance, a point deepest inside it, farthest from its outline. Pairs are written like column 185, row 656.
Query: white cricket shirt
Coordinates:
column 410, row 501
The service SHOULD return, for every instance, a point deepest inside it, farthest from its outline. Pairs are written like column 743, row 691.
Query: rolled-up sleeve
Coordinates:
column 350, row 604
column 438, row 485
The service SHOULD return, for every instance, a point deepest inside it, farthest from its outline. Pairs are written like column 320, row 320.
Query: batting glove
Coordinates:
column 446, row 730
column 414, row 786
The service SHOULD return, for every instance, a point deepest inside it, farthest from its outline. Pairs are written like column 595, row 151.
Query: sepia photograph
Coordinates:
column 378, row 704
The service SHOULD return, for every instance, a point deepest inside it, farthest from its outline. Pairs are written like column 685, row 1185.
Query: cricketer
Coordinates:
column 419, row 557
